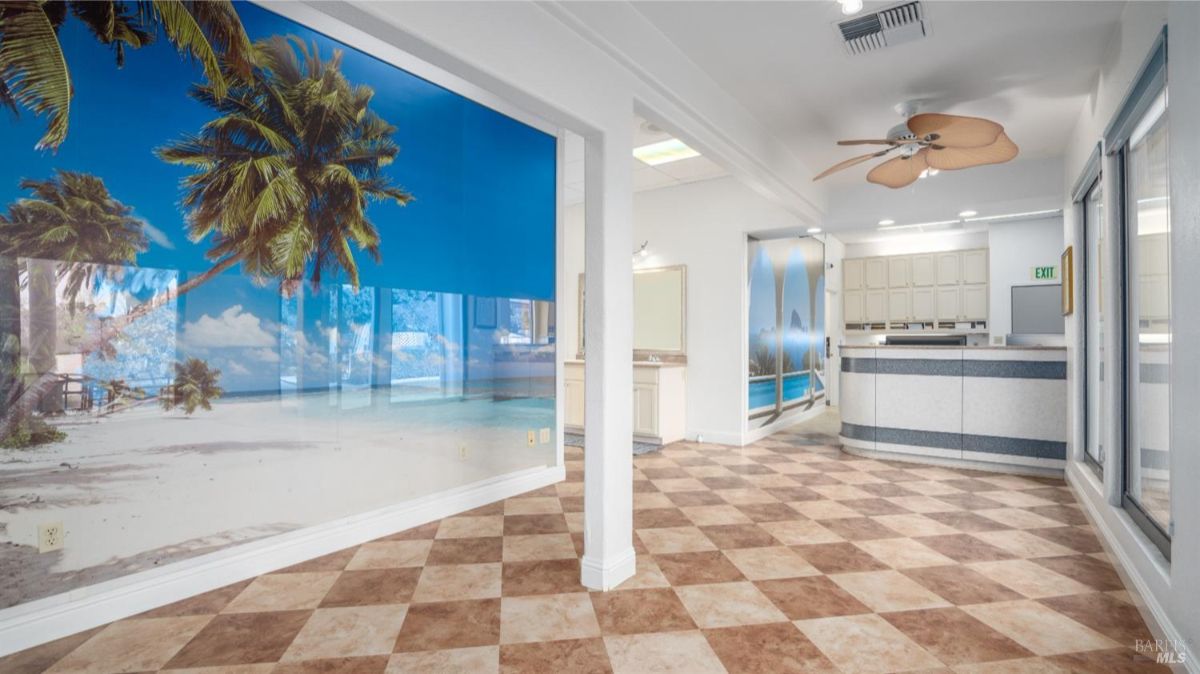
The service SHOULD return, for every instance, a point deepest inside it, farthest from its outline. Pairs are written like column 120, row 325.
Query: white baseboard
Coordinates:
column 607, row 574
column 50, row 618
column 1147, row 601
column 715, row 437
column 906, row 453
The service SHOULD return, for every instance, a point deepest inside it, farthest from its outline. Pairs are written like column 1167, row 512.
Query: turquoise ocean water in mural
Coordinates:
column 795, row 386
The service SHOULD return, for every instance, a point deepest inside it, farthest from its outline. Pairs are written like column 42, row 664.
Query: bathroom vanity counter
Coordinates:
column 997, row 407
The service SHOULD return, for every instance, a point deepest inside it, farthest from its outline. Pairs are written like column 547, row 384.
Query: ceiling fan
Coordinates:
column 932, row 141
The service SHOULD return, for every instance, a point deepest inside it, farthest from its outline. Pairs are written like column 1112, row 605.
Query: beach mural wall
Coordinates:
column 251, row 280
column 786, row 368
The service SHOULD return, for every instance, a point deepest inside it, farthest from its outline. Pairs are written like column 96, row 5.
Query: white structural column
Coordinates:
column 608, row 557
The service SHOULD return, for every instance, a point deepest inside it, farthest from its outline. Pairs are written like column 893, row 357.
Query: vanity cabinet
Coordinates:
column 659, row 400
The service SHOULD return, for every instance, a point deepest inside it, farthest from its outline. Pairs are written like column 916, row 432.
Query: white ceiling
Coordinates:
column 645, row 177
column 1028, row 65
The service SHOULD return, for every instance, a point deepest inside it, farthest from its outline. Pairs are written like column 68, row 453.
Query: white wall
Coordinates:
column 1170, row 589
column 701, row 225
column 907, row 244
column 1013, row 249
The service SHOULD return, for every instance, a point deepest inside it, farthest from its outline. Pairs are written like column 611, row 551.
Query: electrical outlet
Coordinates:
column 532, row 438
column 545, row 435
column 50, row 536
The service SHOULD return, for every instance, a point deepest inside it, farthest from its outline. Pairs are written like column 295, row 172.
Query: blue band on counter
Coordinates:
column 1003, row 369
column 988, row 444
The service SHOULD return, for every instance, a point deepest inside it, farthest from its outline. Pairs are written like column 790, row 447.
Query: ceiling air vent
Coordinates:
column 885, row 28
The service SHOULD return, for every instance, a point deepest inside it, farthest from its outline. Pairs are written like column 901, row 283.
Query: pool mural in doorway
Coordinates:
column 786, row 326
column 253, row 280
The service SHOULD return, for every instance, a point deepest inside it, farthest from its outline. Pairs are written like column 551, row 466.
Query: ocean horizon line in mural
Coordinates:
column 786, row 324
column 251, row 280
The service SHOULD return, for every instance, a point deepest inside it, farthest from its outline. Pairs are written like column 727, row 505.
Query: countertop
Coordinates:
column 939, row 347
column 636, row 363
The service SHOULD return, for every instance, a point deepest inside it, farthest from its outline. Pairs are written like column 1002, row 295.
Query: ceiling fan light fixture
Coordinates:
column 968, row 213
column 850, row 6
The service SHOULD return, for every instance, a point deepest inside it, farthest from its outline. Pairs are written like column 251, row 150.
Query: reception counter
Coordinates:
column 990, row 407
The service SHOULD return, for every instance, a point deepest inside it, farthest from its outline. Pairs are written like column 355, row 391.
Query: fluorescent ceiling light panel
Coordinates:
column 968, row 214
column 814, row 230
column 1013, row 216
column 885, row 223
column 938, row 223
column 664, row 152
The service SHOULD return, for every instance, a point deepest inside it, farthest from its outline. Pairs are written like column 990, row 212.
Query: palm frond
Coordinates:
column 186, row 33
column 34, row 69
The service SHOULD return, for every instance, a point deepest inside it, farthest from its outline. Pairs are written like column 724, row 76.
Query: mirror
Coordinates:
column 659, row 312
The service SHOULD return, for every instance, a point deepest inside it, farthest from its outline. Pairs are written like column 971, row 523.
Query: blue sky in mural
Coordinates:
column 483, row 219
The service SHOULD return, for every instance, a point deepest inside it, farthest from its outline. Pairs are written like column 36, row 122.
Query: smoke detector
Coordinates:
column 885, row 28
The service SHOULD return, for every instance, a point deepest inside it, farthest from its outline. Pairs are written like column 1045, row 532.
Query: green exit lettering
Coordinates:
column 1045, row 273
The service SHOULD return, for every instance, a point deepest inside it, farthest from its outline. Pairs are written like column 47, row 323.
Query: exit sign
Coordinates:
column 1045, row 273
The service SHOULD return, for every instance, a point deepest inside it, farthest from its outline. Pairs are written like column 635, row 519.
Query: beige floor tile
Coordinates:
column 1022, row 543
column 933, row 473
column 931, row 488
column 679, row 484
column 548, row 617
column 1039, row 628
column 539, row 505
column 471, row 527
column 132, row 646
column 392, row 554
column 888, row 591
column 904, row 553
column 866, row 644
column 665, row 653
column 1030, row 579
column 344, row 632
column 538, row 546
column 728, row 604
column 574, row 522
column 703, row 516
column 455, row 582
column 1018, row 499
column 915, row 525
column 675, row 539
column 283, row 592
column 770, row 563
column 922, row 504
column 1018, row 666
column 1018, row 518
column 647, row 500
column 745, row 496
column 793, row 469
column 800, row 532
column 856, row 477
column 824, row 510
column 478, row 660
column 648, row 575
column 709, row 471
column 840, row 492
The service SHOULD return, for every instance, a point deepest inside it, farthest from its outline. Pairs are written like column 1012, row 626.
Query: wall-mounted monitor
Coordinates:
column 1037, row 310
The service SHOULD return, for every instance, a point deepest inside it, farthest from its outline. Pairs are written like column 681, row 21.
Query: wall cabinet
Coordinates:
column 659, row 400
column 937, row 290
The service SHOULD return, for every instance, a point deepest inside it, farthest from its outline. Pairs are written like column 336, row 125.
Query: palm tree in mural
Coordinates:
column 195, row 387
column 68, row 231
column 34, row 71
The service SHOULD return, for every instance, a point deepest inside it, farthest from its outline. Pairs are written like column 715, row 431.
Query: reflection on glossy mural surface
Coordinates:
column 253, row 280
column 787, row 326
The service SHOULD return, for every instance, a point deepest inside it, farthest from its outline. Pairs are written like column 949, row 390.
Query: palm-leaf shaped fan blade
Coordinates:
column 900, row 171
column 853, row 161
column 951, row 158
column 955, row 130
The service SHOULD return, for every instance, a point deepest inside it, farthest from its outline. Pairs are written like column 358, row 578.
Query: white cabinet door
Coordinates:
column 922, row 304
column 875, row 306
column 948, row 268
column 949, row 304
column 975, row 266
column 975, row 302
column 924, row 271
column 852, row 275
column 852, row 307
column 645, row 409
column 875, row 273
column 898, row 305
column 897, row 272
column 574, row 406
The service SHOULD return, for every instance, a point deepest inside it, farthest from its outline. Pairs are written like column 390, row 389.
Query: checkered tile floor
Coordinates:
column 785, row 556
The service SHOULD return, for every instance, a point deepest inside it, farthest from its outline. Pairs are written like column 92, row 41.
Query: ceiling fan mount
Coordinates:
column 930, row 141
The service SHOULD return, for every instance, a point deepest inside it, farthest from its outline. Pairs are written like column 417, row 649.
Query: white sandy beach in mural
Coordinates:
column 142, row 487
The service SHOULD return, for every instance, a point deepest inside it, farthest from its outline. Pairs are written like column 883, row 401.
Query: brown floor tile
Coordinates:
column 472, row 659
column 241, row 638
column 965, row 549
column 875, row 506
column 496, row 508
column 335, row 561
column 839, row 558
column 571, row 504
column 810, row 597
column 859, row 528
column 202, row 604
column 641, row 611
column 453, row 624
column 697, row 568
column 731, row 536
column 1112, row 661
column 534, row 524
column 798, row 493
column 725, row 483
column 465, row 551
column 1090, row 571
column 768, row 512
column 425, row 531
column 370, row 664
column 885, row 489
column 971, row 485
column 683, row 499
column 1069, row 515
column 955, row 637
column 1078, row 539
column 1061, row 495
column 655, row 518
column 578, row 656
column 969, row 501
column 372, row 586
column 961, row 585
column 776, row 648
column 967, row 522
column 665, row 473
column 39, row 658
column 550, row 576
column 1111, row 617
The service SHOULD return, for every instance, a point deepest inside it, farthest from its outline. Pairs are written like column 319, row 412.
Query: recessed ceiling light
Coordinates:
column 968, row 214
column 851, row 6
column 885, row 223
column 814, row 230
column 918, row 225
column 664, row 152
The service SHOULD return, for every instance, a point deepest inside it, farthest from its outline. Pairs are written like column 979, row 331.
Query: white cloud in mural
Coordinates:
column 233, row 328
column 263, row 355
column 158, row 236
column 237, row 368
